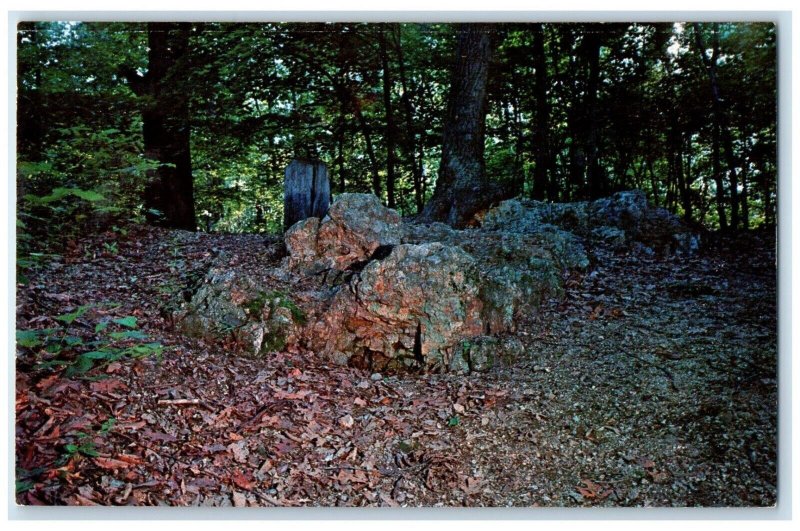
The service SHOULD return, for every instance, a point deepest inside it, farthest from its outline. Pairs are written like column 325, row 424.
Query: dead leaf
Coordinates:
column 243, row 480
column 240, row 451
column 111, row 464
column 346, row 421
column 594, row 491
column 107, row 386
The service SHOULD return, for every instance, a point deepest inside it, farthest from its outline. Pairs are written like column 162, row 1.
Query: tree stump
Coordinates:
column 306, row 191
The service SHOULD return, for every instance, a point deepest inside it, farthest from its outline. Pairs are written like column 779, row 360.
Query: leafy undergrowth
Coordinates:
column 652, row 383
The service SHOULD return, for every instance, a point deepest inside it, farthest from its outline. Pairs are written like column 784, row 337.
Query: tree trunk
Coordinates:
column 717, row 171
column 542, row 159
column 462, row 188
column 390, row 127
column 373, row 159
column 340, row 152
column 720, row 117
column 306, row 191
column 595, row 176
column 169, row 192
column 409, row 144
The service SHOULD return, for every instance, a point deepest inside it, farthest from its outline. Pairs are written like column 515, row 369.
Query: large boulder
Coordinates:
column 231, row 305
column 408, row 310
column 355, row 227
column 404, row 295
column 618, row 220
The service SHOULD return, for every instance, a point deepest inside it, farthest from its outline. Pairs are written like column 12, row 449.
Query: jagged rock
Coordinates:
column 229, row 304
column 355, row 227
column 517, row 270
column 482, row 353
column 407, row 310
column 405, row 295
column 621, row 219
column 612, row 236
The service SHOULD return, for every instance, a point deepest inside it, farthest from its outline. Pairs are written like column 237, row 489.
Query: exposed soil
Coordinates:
column 651, row 383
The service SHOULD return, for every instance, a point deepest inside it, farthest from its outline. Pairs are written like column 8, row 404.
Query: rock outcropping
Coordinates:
column 620, row 219
column 361, row 287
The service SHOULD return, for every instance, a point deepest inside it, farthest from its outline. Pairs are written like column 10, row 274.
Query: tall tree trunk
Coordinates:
column 373, row 159
column 717, row 171
column 409, row 143
column 720, row 116
column 543, row 158
column 390, row 126
column 595, row 176
column 169, row 192
column 340, row 151
column 745, row 164
column 462, row 188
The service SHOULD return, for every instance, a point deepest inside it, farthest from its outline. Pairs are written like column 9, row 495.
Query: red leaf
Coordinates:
column 110, row 464
column 108, row 386
column 242, row 480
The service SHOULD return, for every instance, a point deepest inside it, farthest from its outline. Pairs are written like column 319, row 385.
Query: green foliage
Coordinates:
column 61, row 347
column 281, row 299
column 263, row 94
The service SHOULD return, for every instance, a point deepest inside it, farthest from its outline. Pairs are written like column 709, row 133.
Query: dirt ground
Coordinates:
column 652, row 382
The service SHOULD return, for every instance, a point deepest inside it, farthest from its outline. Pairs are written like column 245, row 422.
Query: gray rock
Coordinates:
column 354, row 228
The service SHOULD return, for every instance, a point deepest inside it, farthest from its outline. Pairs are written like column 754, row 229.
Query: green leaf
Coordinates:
column 88, row 195
column 55, row 195
column 88, row 449
column 24, row 485
column 107, row 425
column 453, row 421
column 128, row 321
column 82, row 364
column 28, row 338
column 69, row 318
column 72, row 341
column 98, row 355
column 128, row 334
column 71, row 448
column 99, row 327
column 149, row 349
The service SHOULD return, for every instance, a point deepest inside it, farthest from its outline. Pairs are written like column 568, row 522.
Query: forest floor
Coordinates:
column 651, row 383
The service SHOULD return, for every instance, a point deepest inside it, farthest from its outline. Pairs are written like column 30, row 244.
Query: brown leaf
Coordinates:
column 45, row 383
column 107, row 386
column 243, row 480
column 111, row 464
column 240, row 451
column 346, row 421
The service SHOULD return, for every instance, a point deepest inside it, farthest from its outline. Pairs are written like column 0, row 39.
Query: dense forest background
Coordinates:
column 685, row 112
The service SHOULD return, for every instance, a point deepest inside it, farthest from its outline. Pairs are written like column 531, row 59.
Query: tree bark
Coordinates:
column 390, row 126
column 306, row 191
column 169, row 192
column 542, row 159
column 462, row 188
column 409, row 144
column 720, row 117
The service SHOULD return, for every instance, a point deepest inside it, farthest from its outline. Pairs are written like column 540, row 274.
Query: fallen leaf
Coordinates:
column 107, row 386
column 242, row 480
column 111, row 464
column 346, row 421
column 239, row 450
